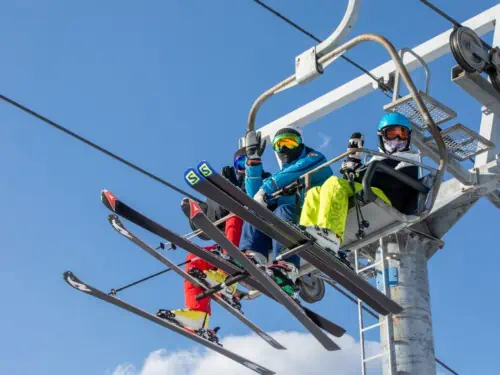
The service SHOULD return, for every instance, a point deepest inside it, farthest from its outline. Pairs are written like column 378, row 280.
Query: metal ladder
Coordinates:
column 385, row 322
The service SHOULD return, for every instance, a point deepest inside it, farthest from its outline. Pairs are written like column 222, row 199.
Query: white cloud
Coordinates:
column 326, row 140
column 304, row 356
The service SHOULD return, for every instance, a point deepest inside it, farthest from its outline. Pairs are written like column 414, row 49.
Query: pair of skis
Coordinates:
column 127, row 212
column 76, row 283
column 120, row 228
column 205, row 180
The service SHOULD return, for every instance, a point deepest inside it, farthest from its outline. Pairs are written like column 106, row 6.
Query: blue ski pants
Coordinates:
column 254, row 239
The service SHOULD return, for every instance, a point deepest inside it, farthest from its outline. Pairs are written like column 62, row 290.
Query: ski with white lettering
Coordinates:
column 208, row 182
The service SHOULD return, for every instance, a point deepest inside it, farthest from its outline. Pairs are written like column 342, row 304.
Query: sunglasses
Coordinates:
column 289, row 141
column 392, row 132
column 240, row 162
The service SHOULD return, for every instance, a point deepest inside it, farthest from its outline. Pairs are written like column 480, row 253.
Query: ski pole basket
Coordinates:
column 406, row 105
column 461, row 142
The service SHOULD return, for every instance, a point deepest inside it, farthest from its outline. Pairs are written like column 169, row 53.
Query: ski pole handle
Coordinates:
column 229, row 281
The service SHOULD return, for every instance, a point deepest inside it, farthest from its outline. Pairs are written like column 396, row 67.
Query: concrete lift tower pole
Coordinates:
column 409, row 246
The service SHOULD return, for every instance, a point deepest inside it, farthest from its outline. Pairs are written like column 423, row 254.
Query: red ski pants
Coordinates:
column 233, row 233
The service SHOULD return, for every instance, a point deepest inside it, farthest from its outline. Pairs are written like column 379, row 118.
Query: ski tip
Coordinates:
column 204, row 168
column 108, row 199
column 115, row 222
column 74, row 282
column 113, row 218
column 192, row 177
column 194, row 208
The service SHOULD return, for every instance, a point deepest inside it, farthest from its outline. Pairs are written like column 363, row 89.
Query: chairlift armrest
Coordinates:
column 375, row 166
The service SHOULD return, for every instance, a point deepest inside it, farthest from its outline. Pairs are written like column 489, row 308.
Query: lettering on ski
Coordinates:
column 191, row 178
column 127, row 212
column 204, row 223
column 76, row 283
column 120, row 228
column 233, row 199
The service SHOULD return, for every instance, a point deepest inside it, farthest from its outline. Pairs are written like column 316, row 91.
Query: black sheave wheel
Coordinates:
column 461, row 41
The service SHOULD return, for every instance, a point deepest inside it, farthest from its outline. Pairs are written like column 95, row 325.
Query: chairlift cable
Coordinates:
column 96, row 146
column 383, row 87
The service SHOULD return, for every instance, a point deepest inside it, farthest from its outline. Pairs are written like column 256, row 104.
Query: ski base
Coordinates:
column 203, row 222
column 79, row 285
column 217, row 188
column 234, row 307
column 127, row 212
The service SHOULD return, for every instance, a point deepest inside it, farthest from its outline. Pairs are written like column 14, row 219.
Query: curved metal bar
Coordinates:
column 307, row 176
column 369, row 152
column 395, row 94
column 400, row 176
column 401, row 69
column 340, row 33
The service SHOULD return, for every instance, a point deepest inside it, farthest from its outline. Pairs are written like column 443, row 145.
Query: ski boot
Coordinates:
column 285, row 274
column 191, row 320
column 218, row 251
column 324, row 237
column 329, row 241
column 257, row 258
column 216, row 277
column 199, row 275
column 249, row 295
column 209, row 334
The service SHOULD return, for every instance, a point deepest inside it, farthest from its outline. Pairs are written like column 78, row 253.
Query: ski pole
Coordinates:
column 229, row 281
column 114, row 291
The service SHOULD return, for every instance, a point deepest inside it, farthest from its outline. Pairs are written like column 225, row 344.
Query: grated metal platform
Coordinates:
column 461, row 142
column 407, row 107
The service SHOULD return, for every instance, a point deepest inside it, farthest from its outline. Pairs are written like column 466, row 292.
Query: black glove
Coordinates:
column 229, row 173
column 350, row 165
column 356, row 141
column 254, row 146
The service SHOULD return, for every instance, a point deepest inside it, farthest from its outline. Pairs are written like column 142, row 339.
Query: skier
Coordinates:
column 196, row 313
column 324, row 213
column 295, row 159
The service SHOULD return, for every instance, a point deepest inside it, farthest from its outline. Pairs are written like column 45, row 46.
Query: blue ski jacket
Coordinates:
column 309, row 159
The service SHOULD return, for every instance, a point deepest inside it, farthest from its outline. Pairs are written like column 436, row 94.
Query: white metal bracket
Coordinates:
column 306, row 66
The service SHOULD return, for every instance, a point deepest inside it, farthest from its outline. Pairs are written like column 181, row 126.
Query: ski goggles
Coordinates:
column 289, row 141
column 392, row 132
column 240, row 162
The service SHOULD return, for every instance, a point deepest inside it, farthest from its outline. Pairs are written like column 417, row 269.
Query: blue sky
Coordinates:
column 165, row 84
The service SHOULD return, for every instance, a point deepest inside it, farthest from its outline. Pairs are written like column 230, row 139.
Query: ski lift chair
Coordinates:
column 385, row 219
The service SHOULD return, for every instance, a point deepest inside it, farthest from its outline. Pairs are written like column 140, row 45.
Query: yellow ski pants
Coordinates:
column 326, row 206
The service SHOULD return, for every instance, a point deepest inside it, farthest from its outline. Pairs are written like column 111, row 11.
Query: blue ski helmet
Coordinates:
column 392, row 119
